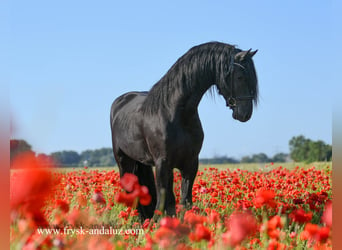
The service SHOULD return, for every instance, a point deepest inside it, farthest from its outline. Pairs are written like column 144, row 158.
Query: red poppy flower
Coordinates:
column 298, row 201
column 75, row 217
column 144, row 196
column 123, row 214
column 201, row 233
column 300, row 216
column 164, row 237
column 98, row 197
column 323, row 234
column 32, row 184
column 31, row 187
column 214, row 217
column 125, row 198
column 81, row 200
column 175, row 225
column 213, row 200
column 315, row 233
column 63, row 205
column 310, row 230
column 169, row 222
column 239, row 225
column 265, row 197
column 274, row 223
column 193, row 219
column 327, row 215
column 274, row 244
column 128, row 181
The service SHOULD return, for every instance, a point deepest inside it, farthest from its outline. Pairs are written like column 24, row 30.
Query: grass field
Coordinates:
column 242, row 166
column 235, row 206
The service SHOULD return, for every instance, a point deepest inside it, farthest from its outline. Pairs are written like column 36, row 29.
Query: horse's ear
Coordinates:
column 251, row 54
column 242, row 55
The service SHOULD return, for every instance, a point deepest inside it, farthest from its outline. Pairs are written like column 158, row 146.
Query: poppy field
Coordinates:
column 273, row 207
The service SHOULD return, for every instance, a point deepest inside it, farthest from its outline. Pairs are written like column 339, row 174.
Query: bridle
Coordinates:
column 232, row 99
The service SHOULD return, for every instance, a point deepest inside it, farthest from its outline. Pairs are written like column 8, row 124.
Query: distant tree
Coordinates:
column 280, row 157
column 319, row 151
column 246, row 159
column 218, row 160
column 86, row 157
column 98, row 157
column 107, row 160
column 18, row 147
column 303, row 149
column 299, row 148
column 66, row 158
column 260, row 158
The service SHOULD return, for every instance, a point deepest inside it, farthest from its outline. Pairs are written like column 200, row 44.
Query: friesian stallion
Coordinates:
column 162, row 128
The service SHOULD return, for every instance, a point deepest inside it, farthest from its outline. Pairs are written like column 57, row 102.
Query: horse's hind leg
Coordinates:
column 146, row 178
column 165, row 196
column 125, row 163
column 188, row 176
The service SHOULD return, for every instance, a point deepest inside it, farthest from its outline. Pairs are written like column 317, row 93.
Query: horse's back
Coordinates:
column 126, row 101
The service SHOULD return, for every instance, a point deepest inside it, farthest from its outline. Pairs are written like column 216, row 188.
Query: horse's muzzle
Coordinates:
column 241, row 116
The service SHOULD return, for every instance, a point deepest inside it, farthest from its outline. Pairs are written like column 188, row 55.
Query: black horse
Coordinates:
column 162, row 128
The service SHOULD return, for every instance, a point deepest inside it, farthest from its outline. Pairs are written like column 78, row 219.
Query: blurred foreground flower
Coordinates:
column 193, row 219
column 98, row 197
column 273, row 227
column 30, row 187
column 315, row 233
column 201, row 233
column 136, row 192
column 265, row 197
column 171, row 232
column 240, row 226
column 327, row 215
column 300, row 216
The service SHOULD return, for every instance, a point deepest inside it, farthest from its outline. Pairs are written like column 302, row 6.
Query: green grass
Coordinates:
column 243, row 166
column 267, row 166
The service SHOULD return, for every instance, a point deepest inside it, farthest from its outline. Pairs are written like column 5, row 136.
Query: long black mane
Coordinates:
column 208, row 62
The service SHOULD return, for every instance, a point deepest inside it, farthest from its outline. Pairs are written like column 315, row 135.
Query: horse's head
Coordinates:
column 239, row 85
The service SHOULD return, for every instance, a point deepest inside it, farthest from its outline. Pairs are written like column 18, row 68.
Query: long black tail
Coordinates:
column 146, row 178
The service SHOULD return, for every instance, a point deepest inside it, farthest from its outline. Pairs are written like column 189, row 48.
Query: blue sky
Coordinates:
column 70, row 59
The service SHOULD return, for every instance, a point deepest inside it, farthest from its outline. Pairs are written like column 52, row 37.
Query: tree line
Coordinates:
column 67, row 158
column 255, row 158
column 306, row 150
column 301, row 150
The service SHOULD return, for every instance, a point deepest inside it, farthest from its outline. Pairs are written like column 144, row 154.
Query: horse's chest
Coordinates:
column 173, row 139
column 184, row 139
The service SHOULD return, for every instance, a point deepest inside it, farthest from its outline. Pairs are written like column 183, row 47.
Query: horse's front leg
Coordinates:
column 165, row 196
column 188, row 173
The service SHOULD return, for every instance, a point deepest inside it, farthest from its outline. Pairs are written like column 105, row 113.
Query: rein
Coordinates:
column 232, row 99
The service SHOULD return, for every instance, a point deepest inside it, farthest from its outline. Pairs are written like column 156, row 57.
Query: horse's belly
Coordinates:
column 130, row 141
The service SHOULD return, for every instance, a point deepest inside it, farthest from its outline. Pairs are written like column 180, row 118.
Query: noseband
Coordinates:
column 232, row 99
